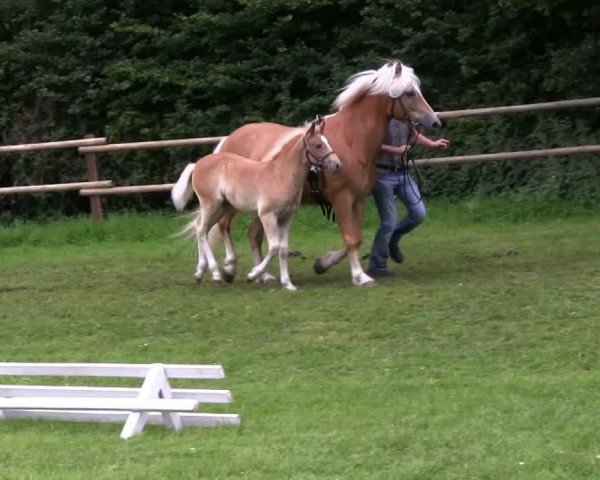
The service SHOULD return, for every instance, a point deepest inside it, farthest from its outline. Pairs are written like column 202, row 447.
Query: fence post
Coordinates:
column 93, row 176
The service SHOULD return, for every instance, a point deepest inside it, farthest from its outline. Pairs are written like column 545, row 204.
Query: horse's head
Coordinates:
column 407, row 101
column 318, row 151
column 399, row 85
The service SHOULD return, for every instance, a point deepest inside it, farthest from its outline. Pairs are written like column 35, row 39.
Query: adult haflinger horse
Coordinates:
column 355, row 132
column 225, row 182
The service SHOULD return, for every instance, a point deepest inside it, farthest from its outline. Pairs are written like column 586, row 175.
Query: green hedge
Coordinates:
column 144, row 70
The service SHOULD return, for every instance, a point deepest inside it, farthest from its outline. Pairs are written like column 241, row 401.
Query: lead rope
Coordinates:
column 317, row 194
column 404, row 166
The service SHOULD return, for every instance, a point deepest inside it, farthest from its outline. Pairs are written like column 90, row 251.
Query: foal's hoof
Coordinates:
column 319, row 267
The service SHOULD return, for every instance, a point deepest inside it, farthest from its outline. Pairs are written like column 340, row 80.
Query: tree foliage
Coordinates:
column 139, row 70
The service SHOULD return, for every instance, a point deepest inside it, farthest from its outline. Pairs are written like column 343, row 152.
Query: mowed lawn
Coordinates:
column 479, row 360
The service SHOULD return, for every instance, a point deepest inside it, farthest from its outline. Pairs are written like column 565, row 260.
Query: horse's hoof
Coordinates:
column 363, row 281
column 267, row 279
column 217, row 277
column 228, row 276
column 319, row 267
column 198, row 280
column 252, row 276
column 290, row 288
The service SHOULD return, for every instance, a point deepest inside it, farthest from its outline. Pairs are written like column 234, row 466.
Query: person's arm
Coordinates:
column 399, row 150
column 440, row 143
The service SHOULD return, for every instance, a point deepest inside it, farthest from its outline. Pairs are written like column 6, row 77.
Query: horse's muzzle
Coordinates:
column 333, row 164
column 430, row 121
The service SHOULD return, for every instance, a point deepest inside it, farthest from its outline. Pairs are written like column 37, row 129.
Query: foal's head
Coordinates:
column 318, row 151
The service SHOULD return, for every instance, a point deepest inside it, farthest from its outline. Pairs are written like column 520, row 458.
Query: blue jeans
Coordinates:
column 390, row 229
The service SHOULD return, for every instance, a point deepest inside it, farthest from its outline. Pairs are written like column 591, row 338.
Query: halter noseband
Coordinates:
column 406, row 117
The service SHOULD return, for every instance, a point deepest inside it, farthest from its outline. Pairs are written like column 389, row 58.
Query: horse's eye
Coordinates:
column 410, row 93
column 319, row 145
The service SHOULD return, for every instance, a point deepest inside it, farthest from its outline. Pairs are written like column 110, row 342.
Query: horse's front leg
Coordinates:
column 230, row 263
column 255, row 236
column 349, row 220
column 359, row 277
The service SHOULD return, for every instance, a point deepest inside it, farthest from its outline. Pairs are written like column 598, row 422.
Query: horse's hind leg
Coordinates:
column 333, row 257
column 255, row 236
column 230, row 264
column 271, row 228
column 349, row 221
column 211, row 212
column 328, row 260
column 201, row 266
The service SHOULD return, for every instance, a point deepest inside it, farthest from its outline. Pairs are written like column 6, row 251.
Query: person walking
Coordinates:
column 393, row 179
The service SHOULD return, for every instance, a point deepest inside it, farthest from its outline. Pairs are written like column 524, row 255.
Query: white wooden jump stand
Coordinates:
column 154, row 402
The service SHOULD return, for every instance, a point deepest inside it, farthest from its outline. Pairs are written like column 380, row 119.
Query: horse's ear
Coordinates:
column 397, row 67
column 311, row 129
column 320, row 123
column 394, row 91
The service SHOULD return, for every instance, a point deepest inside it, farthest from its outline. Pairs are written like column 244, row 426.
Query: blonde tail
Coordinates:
column 183, row 191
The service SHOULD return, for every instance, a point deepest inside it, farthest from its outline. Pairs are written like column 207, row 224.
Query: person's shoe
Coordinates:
column 396, row 254
column 379, row 273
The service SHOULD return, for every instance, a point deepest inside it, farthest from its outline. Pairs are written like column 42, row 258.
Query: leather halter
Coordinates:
column 315, row 177
column 316, row 163
column 406, row 117
column 390, row 112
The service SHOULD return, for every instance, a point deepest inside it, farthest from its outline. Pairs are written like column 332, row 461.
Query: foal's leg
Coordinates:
column 255, row 236
column 201, row 266
column 211, row 212
column 284, row 235
column 348, row 218
column 271, row 228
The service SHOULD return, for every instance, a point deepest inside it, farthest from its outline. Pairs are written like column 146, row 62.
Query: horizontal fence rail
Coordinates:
column 527, row 108
column 56, row 187
column 161, row 187
column 32, row 147
column 490, row 157
column 121, row 147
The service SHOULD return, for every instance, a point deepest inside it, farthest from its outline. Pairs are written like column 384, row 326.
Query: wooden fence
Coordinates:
column 94, row 188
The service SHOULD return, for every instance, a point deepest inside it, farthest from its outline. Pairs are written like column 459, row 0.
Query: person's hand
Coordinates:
column 441, row 144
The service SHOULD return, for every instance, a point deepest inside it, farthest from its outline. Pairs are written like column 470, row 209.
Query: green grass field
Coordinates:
column 479, row 360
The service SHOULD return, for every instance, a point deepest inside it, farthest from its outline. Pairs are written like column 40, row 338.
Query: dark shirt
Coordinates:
column 396, row 136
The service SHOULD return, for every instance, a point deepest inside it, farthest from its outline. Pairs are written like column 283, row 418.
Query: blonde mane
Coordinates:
column 378, row 82
column 278, row 147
